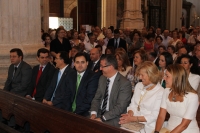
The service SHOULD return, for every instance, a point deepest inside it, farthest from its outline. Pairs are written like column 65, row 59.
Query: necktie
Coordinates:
column 14, row 71
column 58, row 80
column 93, row 66
column 77, row 85
column 37, row 79
column 105, row 100
column 116, row 44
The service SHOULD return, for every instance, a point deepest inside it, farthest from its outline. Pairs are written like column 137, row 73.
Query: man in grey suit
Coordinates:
column 19, row 73
column 113, row 94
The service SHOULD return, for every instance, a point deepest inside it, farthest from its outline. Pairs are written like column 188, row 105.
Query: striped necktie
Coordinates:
column 105, row 100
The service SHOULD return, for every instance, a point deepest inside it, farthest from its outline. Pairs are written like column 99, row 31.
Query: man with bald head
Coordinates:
column 95, row 56
column 166, row 38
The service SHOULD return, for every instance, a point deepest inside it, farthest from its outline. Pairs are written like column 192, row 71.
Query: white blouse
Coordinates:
column 149, row 105
column 194, row 80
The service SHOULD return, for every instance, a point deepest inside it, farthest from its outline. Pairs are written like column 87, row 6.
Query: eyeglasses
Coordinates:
column 104, row 66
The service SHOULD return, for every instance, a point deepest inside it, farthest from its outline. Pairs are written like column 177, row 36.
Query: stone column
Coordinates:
column 45, row 14
column 174, row 13
column 132, row 15
column 109, row 13
column 20, row 25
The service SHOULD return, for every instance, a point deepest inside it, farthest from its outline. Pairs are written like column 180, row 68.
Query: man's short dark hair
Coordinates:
column 79, row 54
column 153, row 54
column 98, row 46
column 18, row 51
column 116, row 31
column 42, row 50
column 77, row 48
column 110, row 60
column 65, row 56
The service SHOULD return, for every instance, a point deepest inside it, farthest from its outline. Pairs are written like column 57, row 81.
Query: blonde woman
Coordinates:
column 145, row 103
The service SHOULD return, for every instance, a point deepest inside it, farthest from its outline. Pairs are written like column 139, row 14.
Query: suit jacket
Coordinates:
column 43, row 82
column 122, row 43
column 96, row 67
column 85, row 94
column 20, row 82
column 51, row 88
column 119, row 100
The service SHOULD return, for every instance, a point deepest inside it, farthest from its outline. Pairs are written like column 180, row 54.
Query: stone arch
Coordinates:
column 68, row 8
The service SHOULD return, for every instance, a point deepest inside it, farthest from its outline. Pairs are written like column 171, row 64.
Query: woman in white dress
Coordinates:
column 187, row 62
column 180, row 100
column 145, row 103
column 123, row 63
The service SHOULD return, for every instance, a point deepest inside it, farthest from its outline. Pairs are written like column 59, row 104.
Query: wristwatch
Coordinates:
column 102, row 119
column 156, row 132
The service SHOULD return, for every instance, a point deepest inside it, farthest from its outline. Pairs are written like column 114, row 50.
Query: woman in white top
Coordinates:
column 175, row 38
column 123, row 63
column 145, row 103
column 187, row 62
column 180, row 100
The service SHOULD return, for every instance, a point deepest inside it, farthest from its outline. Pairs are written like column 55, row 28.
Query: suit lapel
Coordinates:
column 63, row 75
column 18, row 69
column 44, row 71
column 82, row 81
column 115, row 88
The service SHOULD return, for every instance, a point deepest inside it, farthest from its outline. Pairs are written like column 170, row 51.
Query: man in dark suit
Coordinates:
column 41, row 77
column 53, row 94
column 117, row 42
column 95, row 56
column 113, row 94
column 81, row 87
column 19, row 74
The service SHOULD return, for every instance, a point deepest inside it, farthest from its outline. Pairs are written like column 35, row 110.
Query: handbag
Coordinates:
column 164, row 130
column 135, row 126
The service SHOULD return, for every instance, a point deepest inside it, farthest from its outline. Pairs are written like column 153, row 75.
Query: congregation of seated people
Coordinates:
column 116, row 76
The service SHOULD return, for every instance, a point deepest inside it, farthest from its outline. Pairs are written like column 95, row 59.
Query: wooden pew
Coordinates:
column 43, row 117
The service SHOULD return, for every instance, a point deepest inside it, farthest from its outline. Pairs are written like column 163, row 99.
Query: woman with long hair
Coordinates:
column 180, row 100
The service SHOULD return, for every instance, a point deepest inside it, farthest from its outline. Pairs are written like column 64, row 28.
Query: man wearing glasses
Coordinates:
column 113, row 94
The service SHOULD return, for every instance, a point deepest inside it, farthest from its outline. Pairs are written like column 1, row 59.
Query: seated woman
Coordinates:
column 139, row 57
column 187, row 62
column 180, row 100
column 74, row 41
column 165, row 59
column 123, row 63
column 145, row 103
column 149, row 42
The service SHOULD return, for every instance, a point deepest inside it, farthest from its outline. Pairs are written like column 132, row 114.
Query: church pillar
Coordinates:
column 132, row 15
column 109, row 13
column 174, row 14
column 45, row 15
column 20, row 25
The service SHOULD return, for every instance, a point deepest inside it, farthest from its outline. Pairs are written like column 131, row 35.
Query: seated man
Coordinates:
column 81, row 87
column 95, row 56
column 113, row 94
column 19, row 74
column 41, row 77
column 53, row 93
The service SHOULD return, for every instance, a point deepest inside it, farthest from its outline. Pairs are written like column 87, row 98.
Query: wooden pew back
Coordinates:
column 43, row 117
